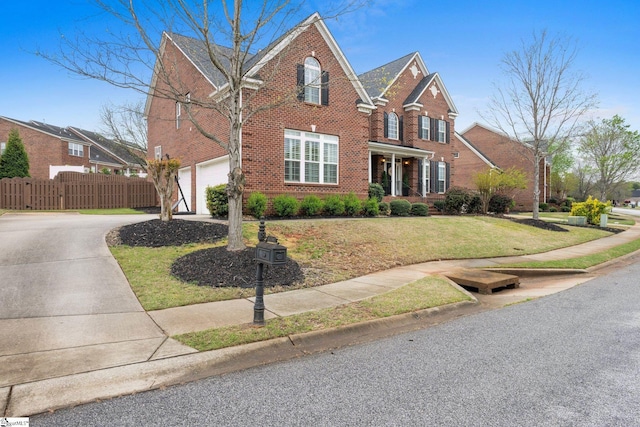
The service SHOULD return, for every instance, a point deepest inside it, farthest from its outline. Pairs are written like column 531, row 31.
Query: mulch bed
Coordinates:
column 208, row 267
column 219, row 267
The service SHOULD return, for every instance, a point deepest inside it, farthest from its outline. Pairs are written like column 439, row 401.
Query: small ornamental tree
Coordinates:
column 14, row 163
column 495, row 181
column 163, row 172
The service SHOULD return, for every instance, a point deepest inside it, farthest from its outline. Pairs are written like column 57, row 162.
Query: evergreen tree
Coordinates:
column 14, row 162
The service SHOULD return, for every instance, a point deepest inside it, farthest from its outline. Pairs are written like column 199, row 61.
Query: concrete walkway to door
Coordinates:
column 65, row 305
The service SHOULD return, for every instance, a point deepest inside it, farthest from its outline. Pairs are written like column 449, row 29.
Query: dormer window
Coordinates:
column 313, row 83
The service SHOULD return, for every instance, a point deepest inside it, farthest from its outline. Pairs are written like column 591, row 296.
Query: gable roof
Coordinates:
column 379, row 80
column 55, row 131
column 123, row 152
column 475, row 150
column 196, row 52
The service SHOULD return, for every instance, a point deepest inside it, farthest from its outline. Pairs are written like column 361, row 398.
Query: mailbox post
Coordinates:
column 269, row 252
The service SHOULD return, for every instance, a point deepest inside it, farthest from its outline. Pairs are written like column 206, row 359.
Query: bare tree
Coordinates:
column 125, row 123
column 541, row 100
column 136, row 57
column 613, row 149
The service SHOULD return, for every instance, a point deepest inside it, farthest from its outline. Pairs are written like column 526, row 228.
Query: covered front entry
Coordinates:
column 402, row 171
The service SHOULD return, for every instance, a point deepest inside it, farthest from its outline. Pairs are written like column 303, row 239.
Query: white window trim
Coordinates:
column 323, row 140
column 3, row 148
column 426, row 128
column 314, row 85
column 393, row 117
column 178, row 114
column 442, row 177
column 76, row 150
column 442, row 131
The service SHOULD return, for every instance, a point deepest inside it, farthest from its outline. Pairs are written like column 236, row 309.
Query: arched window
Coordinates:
column 393, row 126
column 312, row 82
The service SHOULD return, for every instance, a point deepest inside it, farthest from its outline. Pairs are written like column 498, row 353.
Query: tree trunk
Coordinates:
column 235, row 185
column 536, row 188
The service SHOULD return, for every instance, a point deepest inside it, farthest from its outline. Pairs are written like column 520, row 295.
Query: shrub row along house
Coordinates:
column 52, row 149
column 326, row 131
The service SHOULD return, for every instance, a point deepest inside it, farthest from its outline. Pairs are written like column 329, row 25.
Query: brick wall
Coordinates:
column 43, row 150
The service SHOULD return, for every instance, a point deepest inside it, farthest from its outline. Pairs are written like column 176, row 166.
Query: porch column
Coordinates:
column 393, row 174
column 370, row 165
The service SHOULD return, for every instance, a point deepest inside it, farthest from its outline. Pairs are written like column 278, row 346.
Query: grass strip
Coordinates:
column 118, row 211
column 425, row 293
column 583, row 261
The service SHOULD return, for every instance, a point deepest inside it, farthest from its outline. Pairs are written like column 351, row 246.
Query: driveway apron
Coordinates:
column 65, row 305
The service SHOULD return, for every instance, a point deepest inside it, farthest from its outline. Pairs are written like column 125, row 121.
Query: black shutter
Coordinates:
column 433, row 127
column 433, row 178
column 420, row 135
column 446, row 136
column 448, row 177
column 300, row 81
column 386, row 125
column 400, row 128
column 324, row 91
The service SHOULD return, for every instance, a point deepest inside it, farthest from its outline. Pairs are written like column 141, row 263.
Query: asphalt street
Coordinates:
column 572, row 358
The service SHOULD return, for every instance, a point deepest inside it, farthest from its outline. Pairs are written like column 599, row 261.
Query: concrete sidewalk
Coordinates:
column 176, row 363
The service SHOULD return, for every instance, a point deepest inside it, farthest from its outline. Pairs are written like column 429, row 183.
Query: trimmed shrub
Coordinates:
column 217, row 200
column 419, row 209
column 591, row 208
column 475, row 204
column 376, row 191
column 544, row 207
column 333, row 205
column 553, row 209
column 400, row 207
column 257, row 204
column 500, row 203
column 352, row 205
column 383, row 208
column 565, row 209
column 439, row 205
column 371, row 207
column 455, row 201
column 311, row 205
column 285, row 205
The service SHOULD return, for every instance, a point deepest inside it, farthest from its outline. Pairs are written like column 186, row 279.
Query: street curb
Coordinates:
column 56, row 393
column 536, row 272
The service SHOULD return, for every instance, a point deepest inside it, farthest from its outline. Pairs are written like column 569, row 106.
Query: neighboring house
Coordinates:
column 52, row 149
column 391, row 125
column 482, row 147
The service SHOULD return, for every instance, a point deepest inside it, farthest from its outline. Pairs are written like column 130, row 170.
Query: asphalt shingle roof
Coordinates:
column 376, row 81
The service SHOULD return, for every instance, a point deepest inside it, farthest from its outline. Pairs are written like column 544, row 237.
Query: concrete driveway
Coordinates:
column 65, row 305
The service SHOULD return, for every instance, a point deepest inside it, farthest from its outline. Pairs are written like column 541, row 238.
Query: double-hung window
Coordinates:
column 76, row 149
column 393, row 126
column 442, row 131
column 312, row 82
column 3, row 147
column 425, row 128
column 442, row 177
column 310, row 157
column 178, row 114
column 157, row 152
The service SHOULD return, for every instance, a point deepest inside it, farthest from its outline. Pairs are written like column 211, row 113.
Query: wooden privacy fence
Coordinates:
column 75, row 190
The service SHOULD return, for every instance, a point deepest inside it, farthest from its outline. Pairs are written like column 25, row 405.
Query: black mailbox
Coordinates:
column 271, row 253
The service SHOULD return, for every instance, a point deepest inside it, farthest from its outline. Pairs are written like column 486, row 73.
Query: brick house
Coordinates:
column 52, row 149
column 336, row 133
column 481, row 147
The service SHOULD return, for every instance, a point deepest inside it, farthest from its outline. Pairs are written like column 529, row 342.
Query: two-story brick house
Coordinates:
column 336, row 133
column 52, row 149
column 480, row 147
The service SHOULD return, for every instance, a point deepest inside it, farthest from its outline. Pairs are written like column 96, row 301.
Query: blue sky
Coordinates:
column 462, row 40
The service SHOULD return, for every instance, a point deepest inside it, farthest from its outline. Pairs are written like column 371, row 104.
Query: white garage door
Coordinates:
column 184, row 178
column 209, row 173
